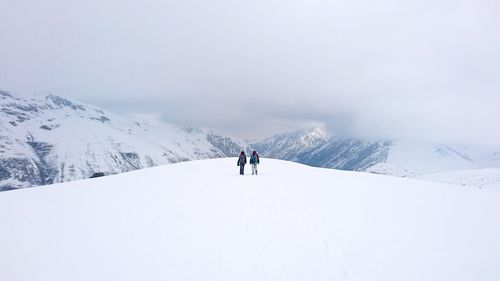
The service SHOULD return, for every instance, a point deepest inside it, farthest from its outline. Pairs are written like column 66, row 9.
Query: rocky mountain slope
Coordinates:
column 49, row 139
column 316, row 147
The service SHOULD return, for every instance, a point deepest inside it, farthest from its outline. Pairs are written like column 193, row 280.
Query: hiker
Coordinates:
column 254, row 161
column 242, row 160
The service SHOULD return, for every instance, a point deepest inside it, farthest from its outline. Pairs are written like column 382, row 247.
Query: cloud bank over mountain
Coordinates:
column 418, row 70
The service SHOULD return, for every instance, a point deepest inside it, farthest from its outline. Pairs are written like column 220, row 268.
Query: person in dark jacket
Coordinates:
column 254, row 161
column 242, row 160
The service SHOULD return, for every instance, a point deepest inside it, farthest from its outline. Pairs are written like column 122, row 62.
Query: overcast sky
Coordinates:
column 417, row 69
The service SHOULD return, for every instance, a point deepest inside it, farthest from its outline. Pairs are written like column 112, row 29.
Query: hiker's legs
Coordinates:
column 254, row 169
column 242, row 169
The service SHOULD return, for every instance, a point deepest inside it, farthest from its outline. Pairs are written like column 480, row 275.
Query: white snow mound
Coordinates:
column 202, row 221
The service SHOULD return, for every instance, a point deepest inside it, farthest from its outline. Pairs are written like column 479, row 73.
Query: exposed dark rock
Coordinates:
column 21, row 117
column 27, row 108
column 45, row 127
column 49, row 127
column 20, row 169
column 46, row 171
column 97, row 175
column 7, row 187
column 64, row 102
column 102, row 119
column 131, row 160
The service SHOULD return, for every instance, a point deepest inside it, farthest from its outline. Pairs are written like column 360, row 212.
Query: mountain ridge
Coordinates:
column 391, row 157
column 49, row 139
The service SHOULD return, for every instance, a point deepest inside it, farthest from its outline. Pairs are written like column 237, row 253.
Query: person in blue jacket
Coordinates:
column 254, row 161
column 242, row 160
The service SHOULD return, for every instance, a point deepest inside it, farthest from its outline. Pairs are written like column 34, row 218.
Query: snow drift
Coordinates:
column 202, row 221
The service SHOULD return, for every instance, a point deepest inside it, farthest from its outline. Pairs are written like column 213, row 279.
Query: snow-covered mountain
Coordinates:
column 49, row 139
column 292, row 222
column 316, row 147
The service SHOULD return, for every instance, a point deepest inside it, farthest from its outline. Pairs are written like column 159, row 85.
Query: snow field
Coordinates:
column 200, row 220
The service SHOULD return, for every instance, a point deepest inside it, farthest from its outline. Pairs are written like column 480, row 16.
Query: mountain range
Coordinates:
column 48, row 139
column 316, row 147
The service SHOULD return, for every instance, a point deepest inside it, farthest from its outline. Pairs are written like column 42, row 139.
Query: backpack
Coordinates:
column 254, row 159
column 242, row 160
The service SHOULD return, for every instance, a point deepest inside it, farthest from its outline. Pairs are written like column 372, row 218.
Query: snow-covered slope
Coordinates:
column 47, row 139
column 398, row 158
column 199, row 220
column 414, row 159
column 482, row 178
column 316, row 147
column 292, row 144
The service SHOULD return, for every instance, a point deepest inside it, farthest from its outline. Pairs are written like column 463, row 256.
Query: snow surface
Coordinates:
column 482, row 178
column 426, row 158
column 200, row 220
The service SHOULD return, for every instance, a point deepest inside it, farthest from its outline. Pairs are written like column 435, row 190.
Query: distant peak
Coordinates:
column 314, row 136
column 318, row 131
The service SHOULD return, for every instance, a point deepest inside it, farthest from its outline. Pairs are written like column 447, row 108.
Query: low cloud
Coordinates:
column 421, row 70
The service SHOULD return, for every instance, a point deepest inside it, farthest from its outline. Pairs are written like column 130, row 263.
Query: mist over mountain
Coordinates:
column 422, row 70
